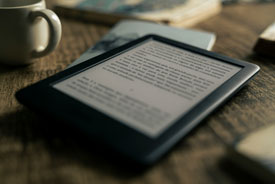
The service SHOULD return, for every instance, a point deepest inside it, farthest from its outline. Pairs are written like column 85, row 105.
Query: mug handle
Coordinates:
column 54, row 29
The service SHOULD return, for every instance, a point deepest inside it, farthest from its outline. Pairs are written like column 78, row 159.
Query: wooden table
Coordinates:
column 29, row 153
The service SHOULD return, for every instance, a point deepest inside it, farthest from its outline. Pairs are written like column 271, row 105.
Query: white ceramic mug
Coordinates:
column 27, row 30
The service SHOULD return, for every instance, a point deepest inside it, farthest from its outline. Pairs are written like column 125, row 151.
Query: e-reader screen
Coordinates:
column 149, row 86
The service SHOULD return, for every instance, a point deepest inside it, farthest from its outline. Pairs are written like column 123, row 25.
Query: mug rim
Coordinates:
column 21, row 6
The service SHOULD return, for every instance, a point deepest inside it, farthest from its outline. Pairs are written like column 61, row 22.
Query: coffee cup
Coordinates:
column 27, row 30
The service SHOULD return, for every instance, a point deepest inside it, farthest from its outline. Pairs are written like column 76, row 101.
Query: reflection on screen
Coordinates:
column 150, row 86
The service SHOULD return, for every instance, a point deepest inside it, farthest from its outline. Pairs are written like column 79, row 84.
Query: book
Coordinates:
column 173, row 12
column 266, row 42
column 128, row 30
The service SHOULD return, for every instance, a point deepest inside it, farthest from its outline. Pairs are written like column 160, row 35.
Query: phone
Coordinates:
column 255, row 152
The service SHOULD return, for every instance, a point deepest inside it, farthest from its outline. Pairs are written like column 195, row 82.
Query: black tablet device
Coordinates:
column 142, row 97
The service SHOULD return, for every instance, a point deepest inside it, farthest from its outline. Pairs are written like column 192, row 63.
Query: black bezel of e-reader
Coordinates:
column 42, row 97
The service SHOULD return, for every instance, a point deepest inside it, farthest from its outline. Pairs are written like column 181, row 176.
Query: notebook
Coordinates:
column 128, row 30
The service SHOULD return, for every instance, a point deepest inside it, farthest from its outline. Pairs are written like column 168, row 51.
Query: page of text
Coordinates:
column 150, row 86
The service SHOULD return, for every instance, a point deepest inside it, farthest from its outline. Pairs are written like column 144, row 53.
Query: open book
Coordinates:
column 128, row 30
column 173, row 12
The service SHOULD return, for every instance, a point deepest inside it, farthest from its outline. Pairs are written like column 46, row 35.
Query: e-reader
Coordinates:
column 141, row 98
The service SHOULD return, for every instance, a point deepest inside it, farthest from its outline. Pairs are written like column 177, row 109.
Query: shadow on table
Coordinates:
column 9, row 68
column 64, row 142
column 236, row 173
column 261, row 60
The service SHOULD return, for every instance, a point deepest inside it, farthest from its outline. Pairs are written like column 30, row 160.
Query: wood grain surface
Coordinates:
column 32, row 152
